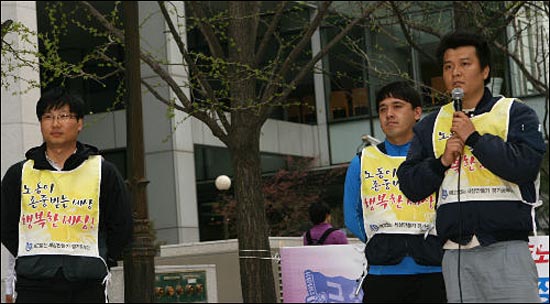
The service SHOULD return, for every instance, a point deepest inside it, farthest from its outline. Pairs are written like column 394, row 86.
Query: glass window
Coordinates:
column 301, row 100
column 529, row 30
column 118, row 158
column 77, row 45
column 210, row 162
column 348, row 93
column 372, row 55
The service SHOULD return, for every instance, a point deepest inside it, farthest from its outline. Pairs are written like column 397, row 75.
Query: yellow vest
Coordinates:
column 385, row 208
column 60, row 210
column 476, row 182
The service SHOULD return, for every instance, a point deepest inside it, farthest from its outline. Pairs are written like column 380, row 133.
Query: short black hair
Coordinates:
column 460, row 38
column 58, row 97
column 401, row 90
column 318, row 212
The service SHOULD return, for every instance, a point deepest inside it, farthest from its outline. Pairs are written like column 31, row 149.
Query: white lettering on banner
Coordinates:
column 338, row 297
column 540, row 253
column 307, row 277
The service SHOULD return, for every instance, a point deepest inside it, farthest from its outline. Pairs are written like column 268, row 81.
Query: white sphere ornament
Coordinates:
column 223, row 182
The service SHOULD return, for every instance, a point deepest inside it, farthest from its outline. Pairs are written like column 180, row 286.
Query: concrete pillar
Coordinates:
column 19, row 125
column 170, row 162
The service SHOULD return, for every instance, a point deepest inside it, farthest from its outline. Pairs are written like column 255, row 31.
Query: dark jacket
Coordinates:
column 516, row 160
column 115, row 220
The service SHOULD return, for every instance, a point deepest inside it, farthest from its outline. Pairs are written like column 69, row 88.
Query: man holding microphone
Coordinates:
column 483, row 162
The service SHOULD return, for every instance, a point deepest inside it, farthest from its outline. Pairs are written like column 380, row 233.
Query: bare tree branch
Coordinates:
column 5, row 28
column 406, row 32
column 153, row 64
column 161, row 98
column 270, row 30
column 511, row 15
column 539, row 85
column 272, row 87
column 206, row 88
column 207, row 30
column 309, row 66
column 306, row 37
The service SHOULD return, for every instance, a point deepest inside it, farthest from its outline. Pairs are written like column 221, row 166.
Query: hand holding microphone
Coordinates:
column 453, row 151
column 462, row 125
column 455, row 144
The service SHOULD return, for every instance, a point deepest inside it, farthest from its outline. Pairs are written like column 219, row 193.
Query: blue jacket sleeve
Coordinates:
column 353, row 210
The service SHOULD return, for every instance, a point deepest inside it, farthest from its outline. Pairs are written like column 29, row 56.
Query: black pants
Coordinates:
column 418, row 288
column 58, row 290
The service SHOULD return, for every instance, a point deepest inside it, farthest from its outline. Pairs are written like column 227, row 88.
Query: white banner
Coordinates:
column 323, row 274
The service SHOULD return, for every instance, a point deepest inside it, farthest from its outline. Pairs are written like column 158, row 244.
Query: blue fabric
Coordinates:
column 353, row 215
column 353, row 212
column 396, row 150
column 322, row 288
column 406, row 266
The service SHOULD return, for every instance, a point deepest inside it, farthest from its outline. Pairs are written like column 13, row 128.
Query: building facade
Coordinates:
column 183, row 157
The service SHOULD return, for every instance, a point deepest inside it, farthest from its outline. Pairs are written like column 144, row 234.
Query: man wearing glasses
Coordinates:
column 65, row 210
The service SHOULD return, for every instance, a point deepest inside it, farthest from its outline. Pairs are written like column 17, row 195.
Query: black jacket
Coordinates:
column 115, row 220
column 516, row 160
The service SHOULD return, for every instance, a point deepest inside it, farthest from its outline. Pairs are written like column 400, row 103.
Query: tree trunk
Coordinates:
column 462, row 17
column 258, row 285
column 257, row 281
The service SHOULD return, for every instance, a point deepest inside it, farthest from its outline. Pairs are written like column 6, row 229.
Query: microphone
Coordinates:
column 457, row 95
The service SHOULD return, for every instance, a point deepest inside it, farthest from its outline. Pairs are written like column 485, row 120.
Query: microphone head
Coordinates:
column 457, row 93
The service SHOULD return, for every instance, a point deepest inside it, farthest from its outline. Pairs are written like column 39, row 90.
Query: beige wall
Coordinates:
column 224, row 254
